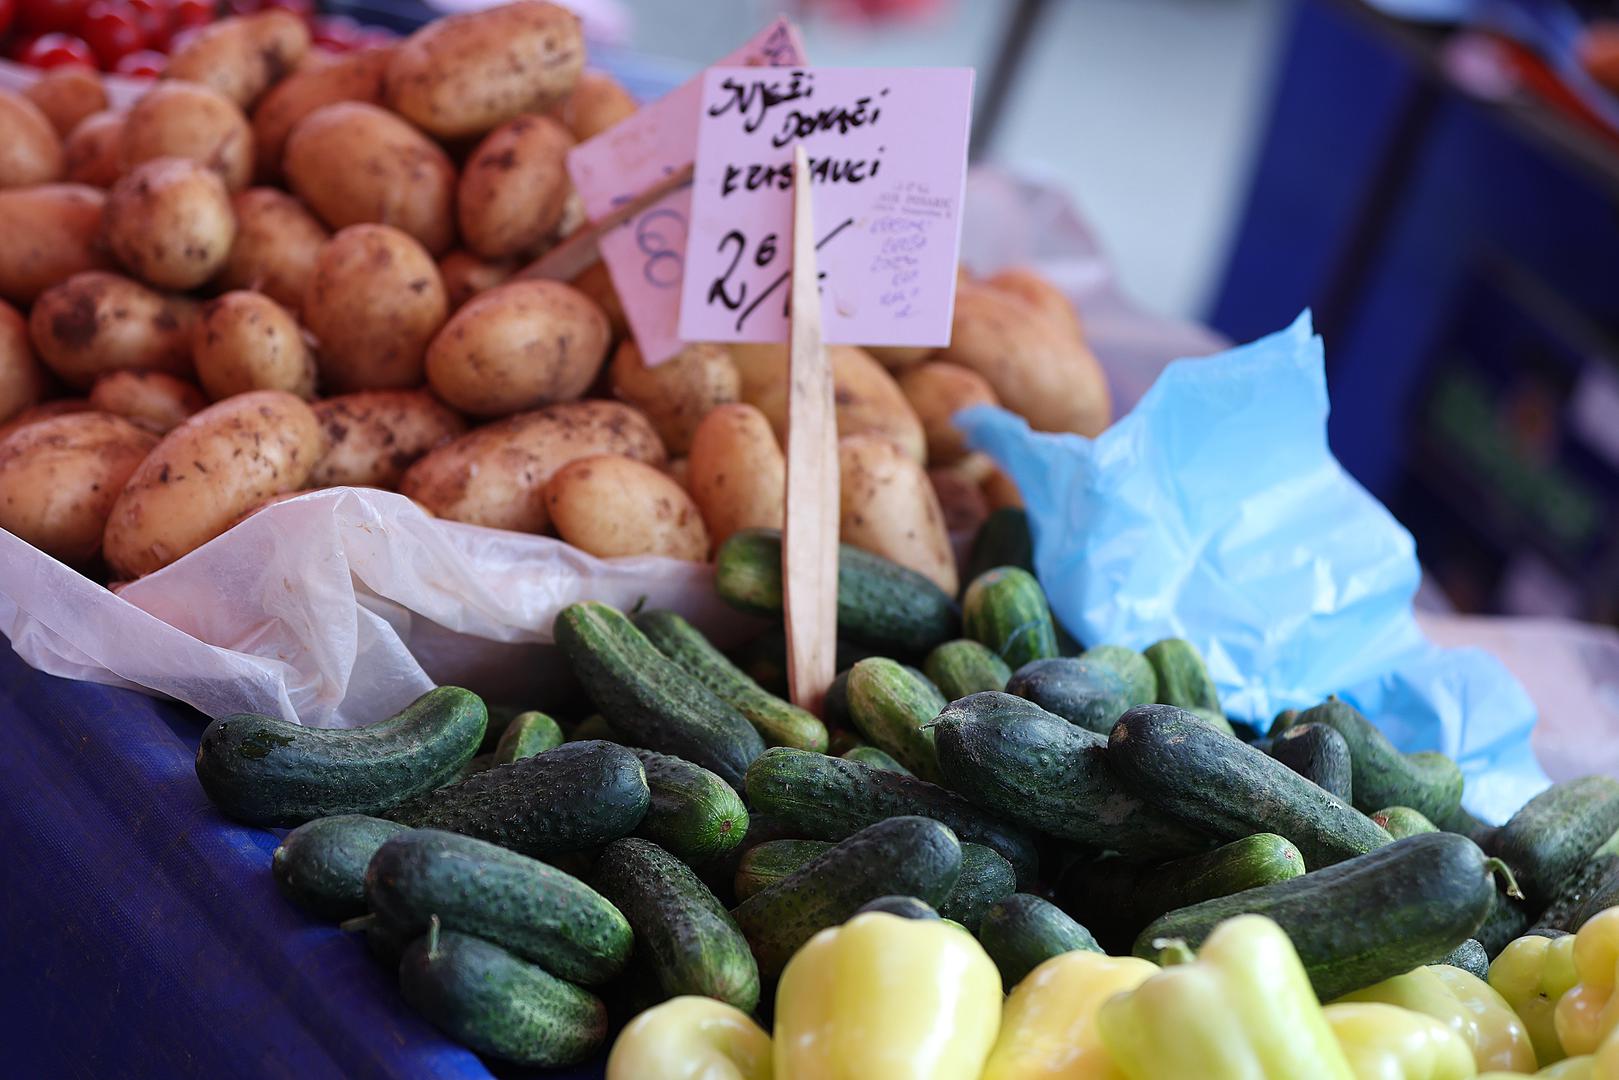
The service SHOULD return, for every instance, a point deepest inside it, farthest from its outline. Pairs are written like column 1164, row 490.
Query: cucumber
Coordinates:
column 890, row 704
column 693, row 813
column 1320, row 755
column 1459, row 820
column 320, row 865
column 1593, row 888
column 1183, row 680
column 500, row 717
column 881, row 604
column 1554, row 833
column 877, row 759
column 906, row 907
column 573, row 798
column 1005, row 610
column 963, row 667
column 764, row 660
column 1283, row 720
column 485, row 998
column 1002, row 540
column 528, row 734
column 835, row 705
column 1136, row 670
column 1362, row 920
column 777, row 722
column 1225, row 787
column 1017, row 760
column 521, row 904
column 1506, row 922
column 690, row 941
column 765, row 864
column 985, row 878
column 1470, row 957
column 594, row 726
column 1082, row 692
column 1402, row 821
column 264, row 771
column 902, row 856
column 652, row 702
column 1022, row 931
column 1430, row 784
column 827, row 798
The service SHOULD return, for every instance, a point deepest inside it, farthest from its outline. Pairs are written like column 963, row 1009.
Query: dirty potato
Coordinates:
column 937, row 391
column 51, row 232
column 736, row 472
column 277, row 243
column 241, row 57
column 246, row 341
column 45, row 410
column 150, row 400
column 889, row 509
column 22, row 380
column 60, row 477
column 355, row 76
column 868, row 400
column 30, row 148
column 612, row 506
column 93, row 152
column 66, row 95
column 169, row 222
column 180, row 119
column 97, row 322
column 465, row 275
column 676, row 394
column 514, row 188
column 372, row 436
column 598, row 101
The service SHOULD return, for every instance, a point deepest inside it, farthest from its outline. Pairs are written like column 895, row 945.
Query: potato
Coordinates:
column 93, row 153
column 353, row 163
column 937, row 391
column 30, row 149
column 180, row 119
column 899, row 357
column 737, row 473
column 170, row 222
column 1039, row 291
column 373, row 304
column 246, row 341
column 518, row 346
column 496, row 475
column 596, row 283
column 45, row 410
column 97, row 322
column 59, row 478
column 372, row 436
column 205, row 473
column 1001, row 492
column 465, row 275
column 679, row 470
column 22, row 380
column 598, row 101
column 611, row 506
column 51, row 232
column 868, row 399
column 277, row 244
column 513, row 188
column 467, row 74
column 241, row 57
column 676, row 394
column 150, row 400
column 66, row 95
column 888, row 508
column 960, row 498
column 355, row 76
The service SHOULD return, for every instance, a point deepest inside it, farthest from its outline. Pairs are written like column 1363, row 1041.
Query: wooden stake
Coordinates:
column 809, row 553
column 580, row 250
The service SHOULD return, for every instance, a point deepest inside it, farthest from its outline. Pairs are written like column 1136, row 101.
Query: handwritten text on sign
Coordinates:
column 887, row 150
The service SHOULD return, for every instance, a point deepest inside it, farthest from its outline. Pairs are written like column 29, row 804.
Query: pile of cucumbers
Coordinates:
column 684, row 829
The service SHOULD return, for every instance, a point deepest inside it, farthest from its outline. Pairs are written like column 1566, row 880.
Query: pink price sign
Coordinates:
column 887, row 153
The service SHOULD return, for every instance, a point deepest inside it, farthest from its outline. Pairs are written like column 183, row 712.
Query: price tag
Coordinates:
column 887, row 152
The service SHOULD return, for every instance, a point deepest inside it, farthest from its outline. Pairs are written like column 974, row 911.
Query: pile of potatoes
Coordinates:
column 282, row 270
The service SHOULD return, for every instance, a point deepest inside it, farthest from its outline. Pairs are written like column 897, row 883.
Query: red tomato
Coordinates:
column 45, row 16
column 58, row 50
column 338, row 32
column 188, row 15
column 153, row 18
column 144, row 64
column 8, row 12
column 112, row 29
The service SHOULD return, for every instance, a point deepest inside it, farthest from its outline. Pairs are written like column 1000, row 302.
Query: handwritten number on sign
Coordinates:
column 721, row 290
column 659, row 236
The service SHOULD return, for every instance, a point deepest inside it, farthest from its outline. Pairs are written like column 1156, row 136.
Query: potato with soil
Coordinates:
column 30, row 148
column 96, row 322
column 374, row 303
column 45, row 410
column 373, row 436
column 241, row 57
column 889, row 508
column 22, row 380
column 496, row 475
column 937, row 391
column 151, row 400
column 465, row 275
column 60, row 477
column 246, row 341
column 169, row 222
column 676, row 394
column 612, row 506
column 868, row 400
column 355, row 76
column 467, row 74
column 514, row 188
column 206, row 473
column 353, row 163
column 597, row 103
column 181, row 119
column 51, row 232
column 516, row 347
column 66, row 95
column 278, row 242
column 736, row 472
column 93, row 152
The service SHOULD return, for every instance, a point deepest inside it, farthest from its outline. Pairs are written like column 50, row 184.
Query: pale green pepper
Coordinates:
column 1048, row 1027
column 1482, row 1017
column 1386, row 1042
column 691, row 1038
column 1532, row 974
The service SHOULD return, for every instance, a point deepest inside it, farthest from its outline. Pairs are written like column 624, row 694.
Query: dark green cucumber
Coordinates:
column 1281, row 722
column 320, row 865
column 1593, row 888
column 1225, row 787
column 1082, row 692
column 265, row 771
column 693, row 813
column 594, row 726
column 1430, row 784
column 1135, row 669
column 579, row 796
column 1553, row 834
column 485, row 998
column 1362, row 920
column 963, row 667
column 776, row 721
column 877, row 759
column 1470, row 957
column 1402, row 821
column 763, row 865
column 1319, row 754
column 827, row 798
column 890, row 704
column 902, row 856
column 881, row 604
column 684, row 932
column 528, row 734
column 835, row 705
column 651, row 700
column 500, row 717
column 521, row 904
column 1002, row 540
column 1459, row 820
column 1005, row 610
column 1017, row 760
column 1183, row 680
column 1020, row 932
column 906, row 907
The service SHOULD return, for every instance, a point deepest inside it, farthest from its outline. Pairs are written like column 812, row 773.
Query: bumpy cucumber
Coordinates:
column 1430, row 784
column 1020, row 932
column 776, row 721
column 1082, row 692
column 1135, row 669
column 693, row 813
column 890, row 705
column 1002, row 540
column 1005, row 610
column 320, row 865
column 1224, row 786
column 877, row 759
column 1183, row 679
column 536, row 911
column 1402, row 821
column 1016, row 760
column 1554, row 833
column 265, row 771
column 835, row 705
column 528, row 734
column 762, row 865
column 1470, row 957
column 1283, row 720
column 1320, row 755
column 1459, row 820
column 963, row 667
column 1593, row 888
column 580, row 795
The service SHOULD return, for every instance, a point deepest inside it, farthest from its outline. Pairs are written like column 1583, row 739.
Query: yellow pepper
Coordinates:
column 1243, row 1010
column 691, row 1038
column 1466, row 1003
column 887, row 998
column 1048, row 1027
column 1589, row 1012
column 1603, row 1065
column 1386, row 1042
column 1533, row 974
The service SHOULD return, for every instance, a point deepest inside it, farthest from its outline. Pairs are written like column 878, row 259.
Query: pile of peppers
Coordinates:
column 887, row 998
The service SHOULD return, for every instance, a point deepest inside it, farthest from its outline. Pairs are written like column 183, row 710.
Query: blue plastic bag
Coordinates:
column 1215, row 512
